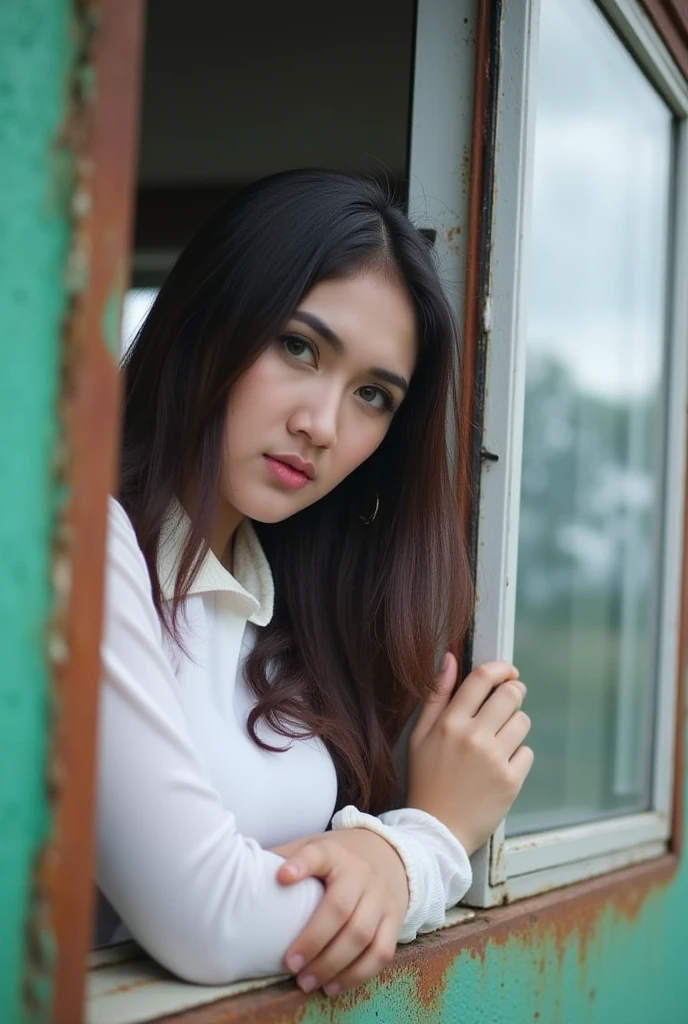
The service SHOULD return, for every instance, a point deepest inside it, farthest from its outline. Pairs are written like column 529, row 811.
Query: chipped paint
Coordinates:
column 72, row 26
column 604, row 950
column 102, row 132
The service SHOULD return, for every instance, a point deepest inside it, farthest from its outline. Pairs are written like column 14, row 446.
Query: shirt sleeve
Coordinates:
column 201, row 898
column 437, row 866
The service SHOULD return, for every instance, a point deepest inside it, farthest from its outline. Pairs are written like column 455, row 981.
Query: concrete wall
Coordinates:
column 35, row 54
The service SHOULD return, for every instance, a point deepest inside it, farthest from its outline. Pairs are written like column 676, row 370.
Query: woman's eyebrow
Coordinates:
column 325, row 332
column 311, row 320
column 391, row 378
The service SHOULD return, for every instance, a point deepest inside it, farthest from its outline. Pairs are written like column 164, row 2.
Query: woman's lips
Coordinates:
column 286, row 475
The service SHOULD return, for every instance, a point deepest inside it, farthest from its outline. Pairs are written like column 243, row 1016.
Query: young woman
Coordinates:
column 284, row 573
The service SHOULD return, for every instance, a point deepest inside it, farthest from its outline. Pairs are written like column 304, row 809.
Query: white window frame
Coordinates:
column 443, row 79
column 519, row 866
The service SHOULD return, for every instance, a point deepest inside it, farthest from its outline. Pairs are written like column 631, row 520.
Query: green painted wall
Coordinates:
column 35, row 55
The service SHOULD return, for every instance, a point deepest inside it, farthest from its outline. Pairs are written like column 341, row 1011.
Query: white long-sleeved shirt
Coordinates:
column 188, row 804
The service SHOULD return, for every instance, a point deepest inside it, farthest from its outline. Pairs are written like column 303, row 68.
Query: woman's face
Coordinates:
column 320, row 399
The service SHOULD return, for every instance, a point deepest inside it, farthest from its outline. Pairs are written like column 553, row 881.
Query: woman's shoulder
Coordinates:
column 117, row 517
column 122, row 543
column 119, row 525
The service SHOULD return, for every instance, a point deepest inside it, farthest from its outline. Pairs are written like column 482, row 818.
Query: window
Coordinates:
column 580, row 517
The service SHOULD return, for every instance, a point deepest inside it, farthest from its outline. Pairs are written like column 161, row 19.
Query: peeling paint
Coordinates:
column 71, row 201
column 35, row 186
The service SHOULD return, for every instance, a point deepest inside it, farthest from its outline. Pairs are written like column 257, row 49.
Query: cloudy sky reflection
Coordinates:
column 600, row 209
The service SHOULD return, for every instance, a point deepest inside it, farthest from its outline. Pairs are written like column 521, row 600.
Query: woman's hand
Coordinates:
column 466, row 759
column 353, row 933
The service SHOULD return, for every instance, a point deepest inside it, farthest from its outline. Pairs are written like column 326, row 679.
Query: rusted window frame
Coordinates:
column 104, row 137
column 102, row 133
column 671, row 23
column 560, row 856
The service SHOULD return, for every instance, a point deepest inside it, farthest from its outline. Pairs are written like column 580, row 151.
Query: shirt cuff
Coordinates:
column 437, row 866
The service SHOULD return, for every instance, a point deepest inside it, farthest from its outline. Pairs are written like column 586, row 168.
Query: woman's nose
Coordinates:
column 317, row 420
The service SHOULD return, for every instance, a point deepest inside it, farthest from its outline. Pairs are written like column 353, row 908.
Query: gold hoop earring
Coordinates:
column 369, row 519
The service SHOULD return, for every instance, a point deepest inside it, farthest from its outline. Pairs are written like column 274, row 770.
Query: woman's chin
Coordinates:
column 272, row 511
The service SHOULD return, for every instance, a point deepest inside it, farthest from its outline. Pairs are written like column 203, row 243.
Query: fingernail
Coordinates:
column 295, row 963
column 307, row 983
column 293, row 869
column 332, row 989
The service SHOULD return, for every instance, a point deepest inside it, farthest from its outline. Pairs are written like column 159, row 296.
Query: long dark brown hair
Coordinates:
column 362, row 608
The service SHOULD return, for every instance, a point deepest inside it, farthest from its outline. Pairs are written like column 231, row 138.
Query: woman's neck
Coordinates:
column 227, row 521
column 226, row 524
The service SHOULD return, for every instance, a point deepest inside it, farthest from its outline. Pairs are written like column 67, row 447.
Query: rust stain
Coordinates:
column 348, row 1001
column 99, row 134
column 41, row 946
column 282, row 1003
column 572, row 915
column 430, row 980
column 476, row 180
column 425, row 965
column 569, row 914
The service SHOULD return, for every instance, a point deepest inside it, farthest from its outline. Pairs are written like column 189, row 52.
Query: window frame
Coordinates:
column 519, row 866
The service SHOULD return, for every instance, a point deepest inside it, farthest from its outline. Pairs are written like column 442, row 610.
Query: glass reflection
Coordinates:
column 592, row 486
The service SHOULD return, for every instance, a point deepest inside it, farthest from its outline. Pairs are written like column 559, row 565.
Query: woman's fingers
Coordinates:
column 522, row 762
column 500, row 706
column 376, row 956
column 288, row 850
column 511, row 736
column 350, row 943
column 479, row 684
column 321, row 860
column 312, row 859
column 438, row 701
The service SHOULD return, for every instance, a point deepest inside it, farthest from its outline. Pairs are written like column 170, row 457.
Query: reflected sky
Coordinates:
column 600, row 206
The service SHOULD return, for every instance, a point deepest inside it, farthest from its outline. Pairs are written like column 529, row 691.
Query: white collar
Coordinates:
column 252, row 583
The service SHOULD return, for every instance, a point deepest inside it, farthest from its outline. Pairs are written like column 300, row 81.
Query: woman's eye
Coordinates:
column 376, row 397
column 299, row 348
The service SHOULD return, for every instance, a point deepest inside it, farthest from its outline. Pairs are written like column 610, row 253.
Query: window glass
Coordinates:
column 592, row 484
